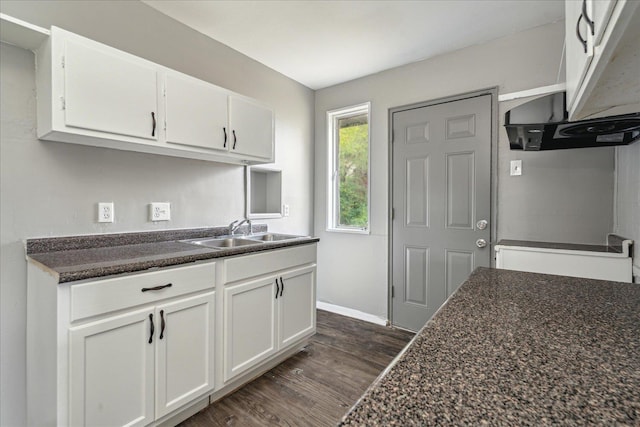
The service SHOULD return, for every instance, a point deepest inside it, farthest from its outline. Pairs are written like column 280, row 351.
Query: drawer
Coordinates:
column 258, row 264
column 103, row 296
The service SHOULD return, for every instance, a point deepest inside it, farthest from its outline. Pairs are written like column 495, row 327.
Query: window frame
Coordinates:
column 333, row 194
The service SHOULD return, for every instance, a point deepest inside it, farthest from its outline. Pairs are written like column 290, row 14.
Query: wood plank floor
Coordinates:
column 315, row 387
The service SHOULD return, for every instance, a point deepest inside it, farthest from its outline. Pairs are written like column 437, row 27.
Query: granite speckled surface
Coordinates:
column 87, row 257
column 514, row 348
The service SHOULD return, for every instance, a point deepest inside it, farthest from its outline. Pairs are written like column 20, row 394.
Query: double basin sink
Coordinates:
column 227, row 242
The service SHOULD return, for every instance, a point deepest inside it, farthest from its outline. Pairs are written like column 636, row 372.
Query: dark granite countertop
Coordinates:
column 514, row 348
column 91, row 256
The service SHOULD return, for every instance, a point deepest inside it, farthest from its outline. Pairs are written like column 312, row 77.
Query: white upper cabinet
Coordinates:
column 601, row 12
column 579, row 44
column 93, row 94
column 252, row 128
column 109, row 93
column 196, row 112
column 602, row 61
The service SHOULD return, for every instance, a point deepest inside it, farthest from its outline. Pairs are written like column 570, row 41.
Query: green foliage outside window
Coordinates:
column 353, row 162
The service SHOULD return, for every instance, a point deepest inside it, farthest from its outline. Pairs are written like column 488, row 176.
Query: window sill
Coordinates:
column 349, row 231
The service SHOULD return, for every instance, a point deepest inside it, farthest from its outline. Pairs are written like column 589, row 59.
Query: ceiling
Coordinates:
column 322, row 43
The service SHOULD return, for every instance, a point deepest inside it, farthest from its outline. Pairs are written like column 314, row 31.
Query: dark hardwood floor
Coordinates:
column 318, row 385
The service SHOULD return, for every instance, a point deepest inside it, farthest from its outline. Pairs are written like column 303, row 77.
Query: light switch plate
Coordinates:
column 105, row 212
column 160, row 211
column 516, row 167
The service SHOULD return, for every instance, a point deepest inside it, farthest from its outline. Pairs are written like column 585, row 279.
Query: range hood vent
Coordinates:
column 542, row 124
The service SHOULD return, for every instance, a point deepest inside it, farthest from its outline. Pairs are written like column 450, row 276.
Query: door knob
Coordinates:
column 481, row 243
column 482, row 224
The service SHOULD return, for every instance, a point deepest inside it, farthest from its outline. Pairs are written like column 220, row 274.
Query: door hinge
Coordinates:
column 63, row 104
column 393, row 291
column 393, row 214
column 62, row 62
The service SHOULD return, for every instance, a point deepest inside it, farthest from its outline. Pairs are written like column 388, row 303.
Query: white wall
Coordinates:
column 50, row 189
column 562, row 196
column 628, row 198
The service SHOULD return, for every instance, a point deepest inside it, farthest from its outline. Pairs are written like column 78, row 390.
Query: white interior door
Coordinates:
column 109, row 92
column 441, row 193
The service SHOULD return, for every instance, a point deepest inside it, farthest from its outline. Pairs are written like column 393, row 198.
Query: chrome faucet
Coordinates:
column 233, row 227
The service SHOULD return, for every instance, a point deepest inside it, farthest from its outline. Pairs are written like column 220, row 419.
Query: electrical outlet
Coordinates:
column 159, row 211
column 105, row 212
column 285, row 210
column 516, row 167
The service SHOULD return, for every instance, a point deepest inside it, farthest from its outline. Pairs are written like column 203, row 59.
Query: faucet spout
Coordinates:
column 235, row 225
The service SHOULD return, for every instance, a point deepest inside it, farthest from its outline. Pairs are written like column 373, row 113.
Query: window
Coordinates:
column 348, row 180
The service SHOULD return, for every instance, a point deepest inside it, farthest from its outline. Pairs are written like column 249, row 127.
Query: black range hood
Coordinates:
column 542, row 124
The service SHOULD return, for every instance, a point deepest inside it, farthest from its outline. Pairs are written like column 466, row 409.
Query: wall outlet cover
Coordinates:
column 160, row 211
column 516, row 167
column 105, row 212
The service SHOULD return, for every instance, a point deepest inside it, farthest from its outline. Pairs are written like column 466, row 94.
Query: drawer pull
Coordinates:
column 161, row 323
column 152, row 328
column 281, row 285
column 157, row 288
column 277, row 288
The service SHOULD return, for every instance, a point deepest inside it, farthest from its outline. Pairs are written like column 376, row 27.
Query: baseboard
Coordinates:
column 349, row 312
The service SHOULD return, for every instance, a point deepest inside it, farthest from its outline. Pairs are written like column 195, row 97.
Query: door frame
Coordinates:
column 493, row 92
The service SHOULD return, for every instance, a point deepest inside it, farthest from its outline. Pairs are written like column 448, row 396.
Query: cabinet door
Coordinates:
column 602, row 10
column 109, row 92
column 252, row 128
column 111, row 371
column 249, row 325
column 577, row 60
column 185, row 351
column 196, row 113
column 297, row 305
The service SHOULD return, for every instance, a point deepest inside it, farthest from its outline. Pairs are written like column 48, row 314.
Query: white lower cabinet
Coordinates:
column 112, row 372
column 144, row 349
column 265, row 315
column 122, row 364
column 250, row 320
column 297, row 305
column 129, row 350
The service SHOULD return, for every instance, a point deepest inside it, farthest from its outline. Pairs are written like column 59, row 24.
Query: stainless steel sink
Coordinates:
column 222, row 243
column 272, row 237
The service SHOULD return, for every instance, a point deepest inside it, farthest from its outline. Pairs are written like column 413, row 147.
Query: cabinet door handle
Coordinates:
column 583, row 41
column 281, row 286
column 590, row 23
column 277, row 288
column 157, row 288
column 152, row 328
column 225, row 137
column 161, row 324
column 235, row 139
column 153, row 119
